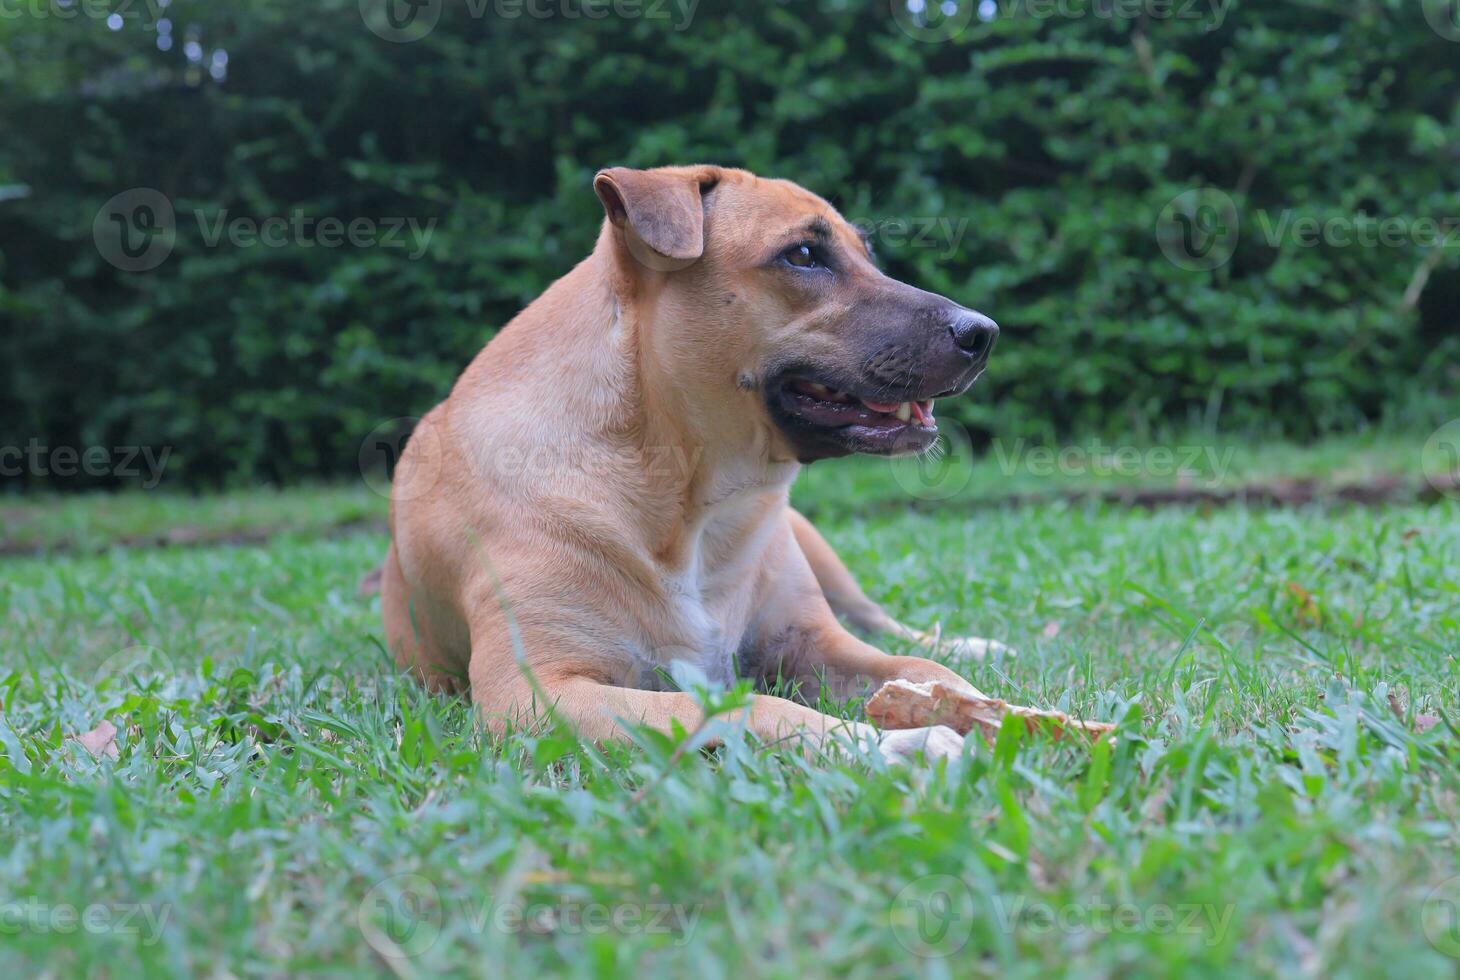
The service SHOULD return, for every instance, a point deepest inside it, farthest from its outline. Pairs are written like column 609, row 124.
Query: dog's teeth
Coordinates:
column 904, row 411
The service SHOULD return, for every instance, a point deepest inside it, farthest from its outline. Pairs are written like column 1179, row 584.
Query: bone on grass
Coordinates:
column 903, row 704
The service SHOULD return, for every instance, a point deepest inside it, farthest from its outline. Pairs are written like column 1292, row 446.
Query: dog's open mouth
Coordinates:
column 827, row 421
column 825, row 405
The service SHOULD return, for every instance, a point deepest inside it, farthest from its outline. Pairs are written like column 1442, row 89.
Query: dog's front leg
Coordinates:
column 851, row 604
column 800, row 644
column 800, row 640
column 569, row 685
column 818, row 653
column 604, row 712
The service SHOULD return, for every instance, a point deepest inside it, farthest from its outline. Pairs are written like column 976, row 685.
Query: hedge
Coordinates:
column 1180, row 217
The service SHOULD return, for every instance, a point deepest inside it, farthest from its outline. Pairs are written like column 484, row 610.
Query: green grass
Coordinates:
column 282, row 803
column 42, row 524
column 94, row 522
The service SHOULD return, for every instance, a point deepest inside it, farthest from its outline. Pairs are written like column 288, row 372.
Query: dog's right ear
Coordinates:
column 659, row 212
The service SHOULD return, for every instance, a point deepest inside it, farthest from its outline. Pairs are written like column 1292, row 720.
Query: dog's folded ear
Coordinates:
column 661, row 209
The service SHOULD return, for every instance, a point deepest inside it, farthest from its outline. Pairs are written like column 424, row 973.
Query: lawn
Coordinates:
column 1283, row 797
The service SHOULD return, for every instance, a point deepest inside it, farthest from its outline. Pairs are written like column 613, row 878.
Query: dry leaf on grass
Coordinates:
column 1422, row 723
column 101, row 740
column 903, row 704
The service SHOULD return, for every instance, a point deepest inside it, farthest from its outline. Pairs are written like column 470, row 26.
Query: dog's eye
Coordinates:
column 801, row 256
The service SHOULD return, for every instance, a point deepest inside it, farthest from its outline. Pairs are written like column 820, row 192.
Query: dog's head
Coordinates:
column 754, row 289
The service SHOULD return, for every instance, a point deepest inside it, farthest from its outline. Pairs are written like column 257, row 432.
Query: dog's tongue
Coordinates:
column 924, row 415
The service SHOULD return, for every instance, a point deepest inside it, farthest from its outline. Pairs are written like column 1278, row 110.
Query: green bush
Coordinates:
column 1021, row 166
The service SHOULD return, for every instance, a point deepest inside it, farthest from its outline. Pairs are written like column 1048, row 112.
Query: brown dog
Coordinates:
column 605, row 490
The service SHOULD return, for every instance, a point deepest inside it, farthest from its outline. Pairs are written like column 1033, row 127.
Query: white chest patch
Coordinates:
column 702, row 642
column 707, row 603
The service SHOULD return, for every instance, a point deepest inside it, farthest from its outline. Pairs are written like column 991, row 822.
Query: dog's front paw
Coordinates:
column 973, row 648
column 902, row 746
column 962, row 649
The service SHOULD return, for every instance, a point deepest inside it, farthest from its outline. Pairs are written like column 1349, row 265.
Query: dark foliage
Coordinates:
column 1021, row 166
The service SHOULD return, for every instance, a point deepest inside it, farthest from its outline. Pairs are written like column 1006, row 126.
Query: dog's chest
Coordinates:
column 703, row 631
column 707, row 603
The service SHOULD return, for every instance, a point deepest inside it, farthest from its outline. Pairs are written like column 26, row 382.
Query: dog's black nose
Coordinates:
column 974, row 334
